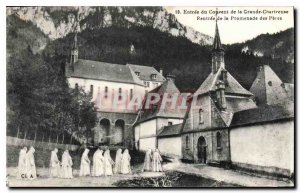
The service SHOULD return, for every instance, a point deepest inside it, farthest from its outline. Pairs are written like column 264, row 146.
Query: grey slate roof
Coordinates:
column 146, row 71
column 103, row 71
column 262, row 114
column 233, row 85
column 156, row 111
column 268, row 88
column 171, row 130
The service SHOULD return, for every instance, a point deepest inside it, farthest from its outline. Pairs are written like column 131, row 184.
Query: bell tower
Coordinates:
column 217, row 52
column 74, row 51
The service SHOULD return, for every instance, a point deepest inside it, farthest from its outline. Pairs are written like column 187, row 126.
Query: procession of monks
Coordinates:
column 103, row 165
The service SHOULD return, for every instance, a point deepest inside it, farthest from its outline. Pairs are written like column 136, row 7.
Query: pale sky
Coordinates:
column 233, row 30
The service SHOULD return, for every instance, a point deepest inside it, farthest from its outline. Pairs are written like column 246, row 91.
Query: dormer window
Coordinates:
column 137, row 73
column 147, row 84
column 153, row 76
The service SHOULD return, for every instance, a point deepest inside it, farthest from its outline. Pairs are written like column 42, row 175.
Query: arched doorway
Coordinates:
column 103, row 132
column 119, row 132
column 201, row 150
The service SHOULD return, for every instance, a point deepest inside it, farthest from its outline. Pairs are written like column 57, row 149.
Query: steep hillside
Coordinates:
column 279, row 45
column 21, row 35
column 57, row 22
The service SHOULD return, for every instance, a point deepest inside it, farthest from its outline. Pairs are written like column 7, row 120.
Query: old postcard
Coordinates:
column 150, row 96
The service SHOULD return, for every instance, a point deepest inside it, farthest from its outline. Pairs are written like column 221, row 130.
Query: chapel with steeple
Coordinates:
column 204, row 133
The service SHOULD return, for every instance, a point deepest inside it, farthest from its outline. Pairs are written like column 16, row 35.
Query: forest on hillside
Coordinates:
column 189, row 62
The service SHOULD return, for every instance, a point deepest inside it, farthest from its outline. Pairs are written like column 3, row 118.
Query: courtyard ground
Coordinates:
column 228, row 176
column 176, row 174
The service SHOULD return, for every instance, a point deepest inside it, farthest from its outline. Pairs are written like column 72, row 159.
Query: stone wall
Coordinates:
column 17, row 142
column 268, row 147
column 170, row 146
column 115, row 136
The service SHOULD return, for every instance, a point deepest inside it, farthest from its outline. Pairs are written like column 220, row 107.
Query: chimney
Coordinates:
column 221, row 95
column 161, row 71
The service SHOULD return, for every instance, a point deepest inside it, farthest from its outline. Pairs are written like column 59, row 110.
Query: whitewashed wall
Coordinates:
column 145, row 135
column 148, row 128
column 113, row 87
column 269, row 144
column 146, row 143
column 170, row 146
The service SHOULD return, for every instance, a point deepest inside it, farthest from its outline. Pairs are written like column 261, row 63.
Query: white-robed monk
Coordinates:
column 66, row 165
column 147, row 161
column 125, row 164
column 85, row 164
column 54, row 166
column 30, row 164
column 156, row 164
column 22, row 163
column 98, row 159
column 108, row 162
column 117, row 168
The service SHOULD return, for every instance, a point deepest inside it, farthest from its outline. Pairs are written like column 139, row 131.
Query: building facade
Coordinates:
column 231, row 126
column 112, row 86
column 154, row 118
column 224, row 124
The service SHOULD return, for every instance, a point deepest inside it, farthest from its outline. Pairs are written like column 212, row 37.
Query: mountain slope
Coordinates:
column 57, row 22
column 279, row 45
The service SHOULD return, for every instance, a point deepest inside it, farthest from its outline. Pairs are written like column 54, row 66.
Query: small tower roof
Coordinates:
column 268, row 87
column 217, row 40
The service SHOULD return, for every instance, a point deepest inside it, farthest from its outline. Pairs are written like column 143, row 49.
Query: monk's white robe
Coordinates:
column 108, row 164
column 156, row 164
column 30, row 164
column 98, row 168
column 22, row 164
column 85, row 169
column 125, row 164
column 66, row 166
column 117, row 167
column 54, row 165
column 147, row 161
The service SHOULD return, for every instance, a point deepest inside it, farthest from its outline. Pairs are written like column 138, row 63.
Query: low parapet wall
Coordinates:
column 17, row 142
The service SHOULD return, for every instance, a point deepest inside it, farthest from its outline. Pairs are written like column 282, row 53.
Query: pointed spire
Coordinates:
column 217, row 40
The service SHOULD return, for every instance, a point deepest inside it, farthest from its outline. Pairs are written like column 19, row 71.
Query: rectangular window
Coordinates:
column 106, row 92
column 187, row 142
column 153, row 76
column 92, row 89
column 131, row 93
column 120, row 93
column 170, row 123
column 147, row 84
